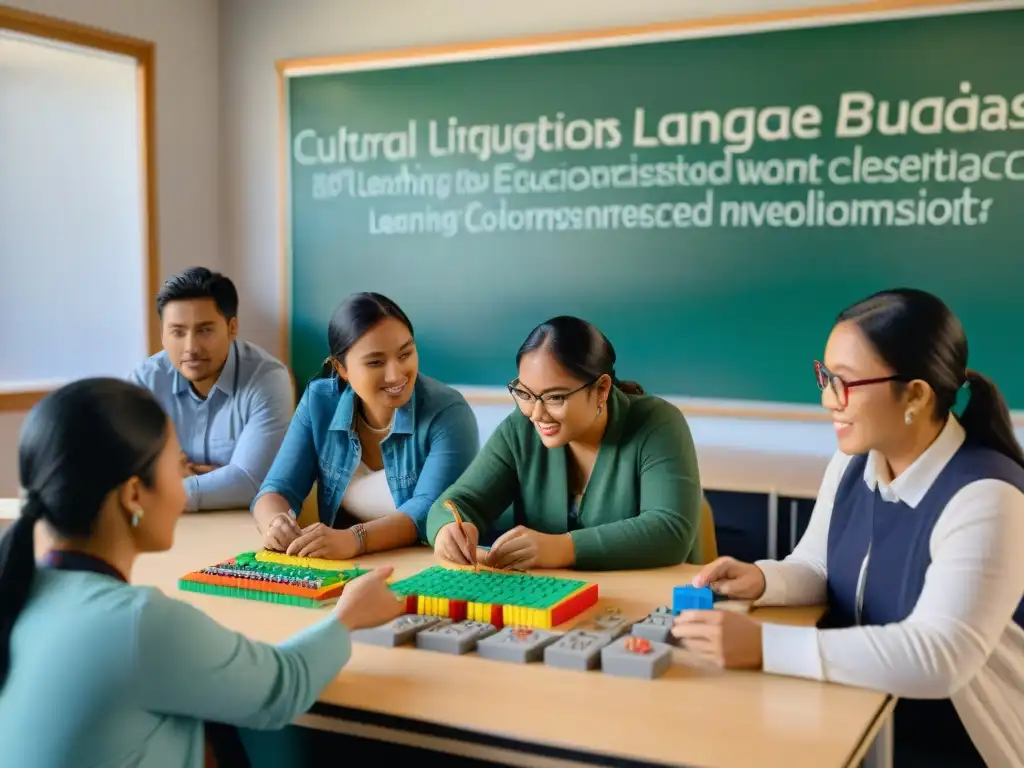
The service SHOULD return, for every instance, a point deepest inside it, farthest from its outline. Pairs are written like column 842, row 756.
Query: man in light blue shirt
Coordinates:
column 230, row 401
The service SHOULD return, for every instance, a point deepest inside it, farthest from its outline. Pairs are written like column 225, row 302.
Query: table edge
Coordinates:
column 546, row 751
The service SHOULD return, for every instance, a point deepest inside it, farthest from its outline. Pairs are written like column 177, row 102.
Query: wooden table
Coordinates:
column 538, row 715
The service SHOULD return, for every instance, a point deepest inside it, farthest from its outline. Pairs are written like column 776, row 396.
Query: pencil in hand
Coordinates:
column 468, row 550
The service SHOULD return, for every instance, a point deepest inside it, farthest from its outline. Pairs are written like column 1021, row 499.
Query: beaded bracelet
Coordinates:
column 360, row 533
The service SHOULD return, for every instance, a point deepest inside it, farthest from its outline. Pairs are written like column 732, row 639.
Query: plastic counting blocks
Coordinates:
column 519, row 645
column 656, row 627
column 495, row 597
column 636, row 657
column 687, row 598
column 457, row 637
column 396, row 632
column 254, row 576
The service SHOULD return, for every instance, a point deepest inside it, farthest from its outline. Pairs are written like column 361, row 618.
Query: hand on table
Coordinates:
column 319, row 540
column 523, row 548
column 726, row 639
column 202, row 469
column 367, row 602
column 457, row 546
column 281, row 532
column 731, row 578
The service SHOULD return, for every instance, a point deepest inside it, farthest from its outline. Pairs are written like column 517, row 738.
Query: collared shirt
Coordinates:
column 959, row 641
column 433, row 439
column 238, row 427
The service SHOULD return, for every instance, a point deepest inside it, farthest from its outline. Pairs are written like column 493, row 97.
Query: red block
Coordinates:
column 457, row 610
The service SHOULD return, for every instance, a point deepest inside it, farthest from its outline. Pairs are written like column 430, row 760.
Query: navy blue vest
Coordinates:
column 899, row 538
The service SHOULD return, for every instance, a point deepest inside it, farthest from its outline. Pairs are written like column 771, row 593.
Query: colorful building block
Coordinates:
column 577, row 650
column 499, row 598
column 610, row 621
column 254, row 577
column 689, row 598
column 519, row 645
column 456, row 637
column 396, row 632
column 633, row 656
column 318, row 563
column 657, row 627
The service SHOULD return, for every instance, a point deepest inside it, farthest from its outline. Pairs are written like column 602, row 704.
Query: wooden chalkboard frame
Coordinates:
column 716, row 26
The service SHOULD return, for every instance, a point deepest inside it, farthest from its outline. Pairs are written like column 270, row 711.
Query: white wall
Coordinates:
column 187, row 137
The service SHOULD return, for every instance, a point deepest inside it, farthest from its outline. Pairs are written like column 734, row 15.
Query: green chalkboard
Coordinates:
column 882, row 153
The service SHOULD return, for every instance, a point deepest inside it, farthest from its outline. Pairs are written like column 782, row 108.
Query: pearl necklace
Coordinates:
column 375, row 430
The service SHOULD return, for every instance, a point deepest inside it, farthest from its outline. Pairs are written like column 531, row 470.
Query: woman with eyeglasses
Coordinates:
column 598, row 474
column 915, row 544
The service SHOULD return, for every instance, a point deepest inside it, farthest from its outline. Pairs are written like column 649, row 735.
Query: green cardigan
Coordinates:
column 641, row 508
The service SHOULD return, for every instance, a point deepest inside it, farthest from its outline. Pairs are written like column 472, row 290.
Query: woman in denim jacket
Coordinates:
column 381, row 441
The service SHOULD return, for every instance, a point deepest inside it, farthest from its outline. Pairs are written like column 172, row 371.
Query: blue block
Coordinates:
column 687, row 598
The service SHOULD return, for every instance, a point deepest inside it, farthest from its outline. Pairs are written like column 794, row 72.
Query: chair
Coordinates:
column 708, row 541
column 309, row 513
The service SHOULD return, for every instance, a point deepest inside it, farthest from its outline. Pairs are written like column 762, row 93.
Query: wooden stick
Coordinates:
column 450, row 506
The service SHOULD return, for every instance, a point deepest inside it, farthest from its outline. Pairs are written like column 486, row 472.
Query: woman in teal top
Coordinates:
column 94, row 671
column 380, row 441
column 599, row 475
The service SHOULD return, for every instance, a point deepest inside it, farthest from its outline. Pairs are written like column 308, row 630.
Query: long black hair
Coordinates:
column 919, row 337
column 77, row 445
column 353, row 318
column 580, row 348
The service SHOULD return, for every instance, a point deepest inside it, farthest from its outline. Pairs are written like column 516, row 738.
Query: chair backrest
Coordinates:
column 708, row 541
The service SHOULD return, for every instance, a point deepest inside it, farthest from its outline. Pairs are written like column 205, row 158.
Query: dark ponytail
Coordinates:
column 920, row 338
column 77, row 445
column 580, row 348
column 351, row 320
column 986, row 419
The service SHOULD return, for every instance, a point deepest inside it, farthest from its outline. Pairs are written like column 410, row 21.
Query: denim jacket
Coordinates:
column 434, row 439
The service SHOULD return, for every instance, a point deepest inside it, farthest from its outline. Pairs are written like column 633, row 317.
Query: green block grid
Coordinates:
column 251, row 594
column 246, row 565
column 518, row 589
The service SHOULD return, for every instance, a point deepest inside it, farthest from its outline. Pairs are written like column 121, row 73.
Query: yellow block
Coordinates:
column 318, row 563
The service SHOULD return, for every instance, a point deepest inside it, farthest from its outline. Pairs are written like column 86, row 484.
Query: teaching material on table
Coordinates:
column 273, row 578
column 519, row 645
column 456, row 637
column 610, row 621
column 396, row 632
column 496, row 597
column 633, row 656
column 686, row 598
column 657, row 626
column 577, row 650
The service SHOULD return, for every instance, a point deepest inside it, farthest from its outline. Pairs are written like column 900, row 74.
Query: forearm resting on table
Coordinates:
column 390, row 532
column 268, row 507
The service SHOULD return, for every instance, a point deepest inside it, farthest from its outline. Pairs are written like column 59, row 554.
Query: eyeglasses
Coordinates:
column 840, row 388
column 552, row 401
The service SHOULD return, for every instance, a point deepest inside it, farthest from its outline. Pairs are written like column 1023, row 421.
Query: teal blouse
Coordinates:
column 107, row 674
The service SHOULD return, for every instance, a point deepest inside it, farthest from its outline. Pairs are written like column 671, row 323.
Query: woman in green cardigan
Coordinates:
column 599, row 475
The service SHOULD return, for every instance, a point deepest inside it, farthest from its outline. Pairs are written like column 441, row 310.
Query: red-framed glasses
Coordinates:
column 840, row 388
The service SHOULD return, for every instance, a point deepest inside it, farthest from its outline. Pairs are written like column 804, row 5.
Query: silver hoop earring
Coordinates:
column 908, row 418
column 137, row 514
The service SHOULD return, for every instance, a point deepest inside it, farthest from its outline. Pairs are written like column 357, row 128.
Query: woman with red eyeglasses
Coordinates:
column 915, row 544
